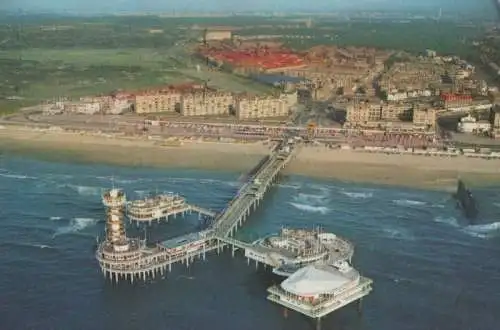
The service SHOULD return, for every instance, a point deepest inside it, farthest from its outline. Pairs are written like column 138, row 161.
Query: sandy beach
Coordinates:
column 405, row 170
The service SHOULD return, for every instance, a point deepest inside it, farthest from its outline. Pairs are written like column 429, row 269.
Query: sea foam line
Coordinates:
column 484, row 231
column 75, row 225
column 357, row 195
column 17, row 176
column 310, row 208
column 408, row 202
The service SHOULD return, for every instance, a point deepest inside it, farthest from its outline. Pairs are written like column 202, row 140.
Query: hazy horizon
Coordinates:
column 110, row 6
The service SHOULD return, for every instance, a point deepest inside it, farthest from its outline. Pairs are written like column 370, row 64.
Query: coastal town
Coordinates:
column 219, row 124
column 344, row 96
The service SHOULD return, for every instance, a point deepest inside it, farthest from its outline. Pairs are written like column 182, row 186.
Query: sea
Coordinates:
column 431, row 270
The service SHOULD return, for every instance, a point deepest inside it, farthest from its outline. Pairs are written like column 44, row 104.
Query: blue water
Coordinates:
column 430, row 270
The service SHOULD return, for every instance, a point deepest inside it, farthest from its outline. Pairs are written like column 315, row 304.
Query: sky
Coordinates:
column 106, row 6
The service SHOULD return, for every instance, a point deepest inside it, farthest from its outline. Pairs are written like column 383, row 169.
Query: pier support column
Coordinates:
column 256, row 264
column 360, row 306
column 318, row 323
column 232, row 252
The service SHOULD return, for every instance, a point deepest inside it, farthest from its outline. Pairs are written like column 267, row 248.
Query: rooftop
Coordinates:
column 183, row 240
column 314, row 280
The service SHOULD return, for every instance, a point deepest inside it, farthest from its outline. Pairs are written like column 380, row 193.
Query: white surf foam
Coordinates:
column 289, row 186
column 75, row 225
column 16, row 176
column 484, row 230
column 125, row 181
column 86, row 190
column 308, row 198
column 55, row 218
column 398, row 233
column 310, row 208
column 42, row 246
column 408, row 202
column 357, row 195
column 451, row 221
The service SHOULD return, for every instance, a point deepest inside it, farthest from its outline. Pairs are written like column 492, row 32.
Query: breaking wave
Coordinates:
column 75, row 225
column 357, row 195
column 86, row 190
column 451, row 221
column 310, row 208
column 485, row 231
column 55, row 218
column 42, row 246
column 16, row 176
column 398, row 233
column 315, row 203
column 408, row 202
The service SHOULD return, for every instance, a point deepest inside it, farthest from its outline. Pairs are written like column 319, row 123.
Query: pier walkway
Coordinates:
column 250, row 195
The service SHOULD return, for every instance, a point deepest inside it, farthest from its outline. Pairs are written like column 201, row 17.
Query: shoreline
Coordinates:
column 316, row 162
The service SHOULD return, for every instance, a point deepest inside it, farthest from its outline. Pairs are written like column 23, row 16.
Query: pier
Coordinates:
column 317, row 260
column 132, row 259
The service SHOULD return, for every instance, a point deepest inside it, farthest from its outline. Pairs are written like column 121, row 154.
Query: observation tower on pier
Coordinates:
column 117, row 249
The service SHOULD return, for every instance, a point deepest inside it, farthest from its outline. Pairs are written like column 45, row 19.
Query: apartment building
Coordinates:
column 290, row 99
column 111, row 104
column 359, row 112
column 206, row 102
column 87, row 108
column 397, row 111
column 425, row 117
column 249, row 107
column 366, row 111
column 495, row 122
column 165, row 100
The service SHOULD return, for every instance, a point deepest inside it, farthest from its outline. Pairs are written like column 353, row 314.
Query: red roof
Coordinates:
column 455, row 97
column 263, row 59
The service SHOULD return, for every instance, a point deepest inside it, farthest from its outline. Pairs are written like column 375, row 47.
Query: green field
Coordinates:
column 50, row 58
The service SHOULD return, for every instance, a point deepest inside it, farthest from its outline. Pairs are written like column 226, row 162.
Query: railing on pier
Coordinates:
column 235, row 242
column 203, row 211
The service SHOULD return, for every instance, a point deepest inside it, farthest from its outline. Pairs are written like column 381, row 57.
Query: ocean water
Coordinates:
column 431, row 270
